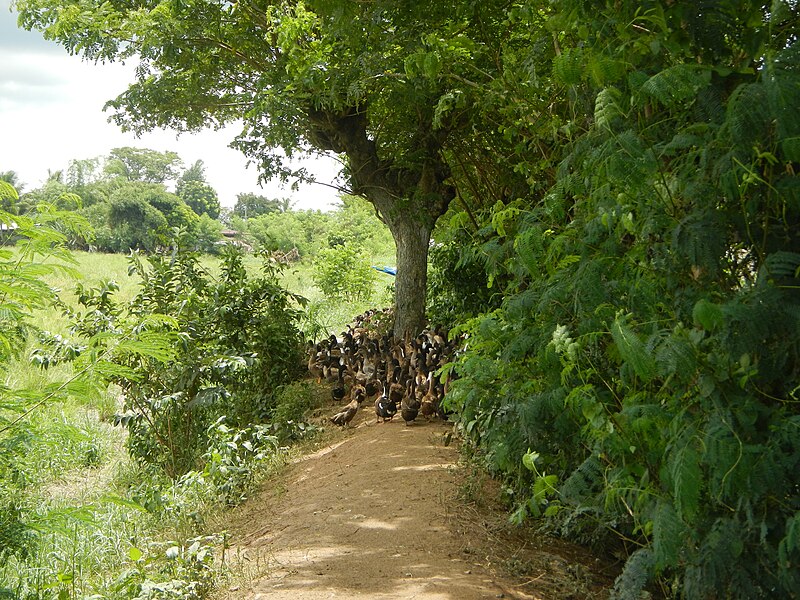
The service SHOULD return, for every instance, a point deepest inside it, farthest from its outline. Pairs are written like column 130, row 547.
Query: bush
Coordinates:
column 343, row 272
column 195, row 349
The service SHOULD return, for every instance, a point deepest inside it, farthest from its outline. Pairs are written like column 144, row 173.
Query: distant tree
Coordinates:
column 51, row 193
column 86, row 178
column 249, row 205
column 143, row 215
column 140, row 164
column 81, row 173
column 196, row 172
column 285, row 204
column 193, row 189
column 135, row 224
column 200, row 197
column 207, row 233
column 226, row 216
column 175, row 211
column 354, row 220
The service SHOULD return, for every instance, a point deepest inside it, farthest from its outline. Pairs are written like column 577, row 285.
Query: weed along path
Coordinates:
column 376, row 515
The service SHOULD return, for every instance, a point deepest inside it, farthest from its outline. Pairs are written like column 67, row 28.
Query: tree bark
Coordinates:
column 412, row 239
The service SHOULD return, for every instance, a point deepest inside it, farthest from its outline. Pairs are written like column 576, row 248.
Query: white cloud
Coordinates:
column 51, row 112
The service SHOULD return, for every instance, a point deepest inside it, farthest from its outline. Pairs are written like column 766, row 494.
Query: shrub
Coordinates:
column 343, row 272
column 224, row 349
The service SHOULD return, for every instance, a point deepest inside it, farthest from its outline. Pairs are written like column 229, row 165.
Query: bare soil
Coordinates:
column 380, row 513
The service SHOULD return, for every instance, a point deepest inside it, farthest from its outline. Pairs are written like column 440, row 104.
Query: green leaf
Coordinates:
column 568, row 67
column 677, row 83
column 686, row 478
column 633, row 350
column 606, row 107
column 529, row 460
column 134, row 554
column 708, row 315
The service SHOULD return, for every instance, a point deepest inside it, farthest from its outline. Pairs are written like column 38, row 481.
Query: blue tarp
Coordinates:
column 389, row 270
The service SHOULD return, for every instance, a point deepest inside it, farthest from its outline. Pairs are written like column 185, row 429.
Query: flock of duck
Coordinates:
column 395, row 375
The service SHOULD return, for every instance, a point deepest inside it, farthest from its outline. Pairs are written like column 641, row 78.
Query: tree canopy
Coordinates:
column 193, row 189
column 141, row 164
column 386, row 85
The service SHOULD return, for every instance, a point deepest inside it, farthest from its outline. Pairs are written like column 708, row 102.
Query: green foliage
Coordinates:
column 285, row 231
column 200, row 197
column 249, row 205
column 232, row 457
column 646, row 347
column 343, row 272
column 458, row 282
column 295, row 401
column 625, row 266
column 143, row 215
column 229, row 344
column 170, row 570
column 29, row 452
column 207, row 235
column 143, row 165
column 194, row 190
column 310, row 232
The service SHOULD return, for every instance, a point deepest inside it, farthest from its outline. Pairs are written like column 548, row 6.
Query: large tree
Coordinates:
column 383, row 84
column 142, row 164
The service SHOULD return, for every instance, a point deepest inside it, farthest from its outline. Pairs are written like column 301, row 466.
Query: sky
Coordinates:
column 51, row 112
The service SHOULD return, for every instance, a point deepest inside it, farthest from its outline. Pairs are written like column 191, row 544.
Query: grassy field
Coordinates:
column 72, row 480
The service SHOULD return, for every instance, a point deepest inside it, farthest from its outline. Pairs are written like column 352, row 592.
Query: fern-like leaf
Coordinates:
column 677, row 83
column 668, row 536
column 686, row 476
column 748, row 115
column 529, row 249
column 633, row 350
column 782, row 264
column 606, row 107
column 708, row 315
column 568, row 67
column 630, row 584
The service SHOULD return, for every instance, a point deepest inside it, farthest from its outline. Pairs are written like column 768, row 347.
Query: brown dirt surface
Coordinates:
column 378, row 513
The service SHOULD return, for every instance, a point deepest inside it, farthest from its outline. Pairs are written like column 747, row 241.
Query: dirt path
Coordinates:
column 375, row 515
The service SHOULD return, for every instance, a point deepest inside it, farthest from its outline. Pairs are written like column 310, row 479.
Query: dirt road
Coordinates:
column 376, row 515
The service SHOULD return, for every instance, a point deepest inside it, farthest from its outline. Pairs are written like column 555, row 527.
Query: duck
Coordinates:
column 409, row 408
column 346, row 414
column 315, row 364
column 385, row 407
column 429, row 406
column 338, row 390
column 372, row 389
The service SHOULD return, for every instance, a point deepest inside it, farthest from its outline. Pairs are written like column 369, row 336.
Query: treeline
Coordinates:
column 125, row 199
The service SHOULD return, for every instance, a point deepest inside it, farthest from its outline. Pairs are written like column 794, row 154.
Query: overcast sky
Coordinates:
column 51, row 112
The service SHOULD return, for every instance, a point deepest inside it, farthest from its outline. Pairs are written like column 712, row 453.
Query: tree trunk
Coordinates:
column 408, row 200
column 412, row 239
